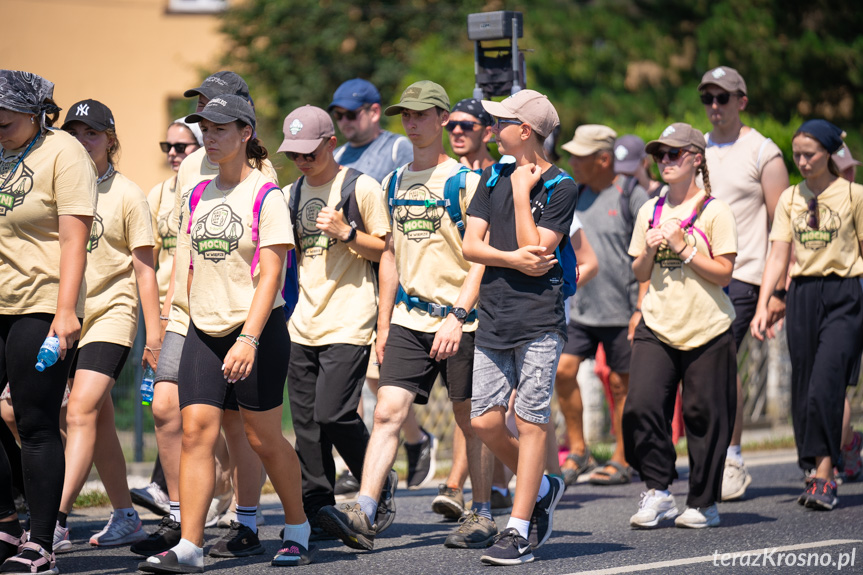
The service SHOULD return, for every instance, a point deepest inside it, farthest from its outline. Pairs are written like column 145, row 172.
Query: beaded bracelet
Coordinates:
column 692, row 255
column 251, row 338
column 247, row 342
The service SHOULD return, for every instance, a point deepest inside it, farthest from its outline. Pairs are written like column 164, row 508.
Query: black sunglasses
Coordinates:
column 721, row 99
column 307, row 157
column 672, row 153
column 465, row 125
column 180, row 147
column 349, row 114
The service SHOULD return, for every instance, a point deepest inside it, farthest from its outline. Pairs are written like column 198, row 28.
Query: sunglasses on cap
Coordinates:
column 721, row 99
column 350, row 115
column 179, row 147
column 465, row 125
column 673, row 154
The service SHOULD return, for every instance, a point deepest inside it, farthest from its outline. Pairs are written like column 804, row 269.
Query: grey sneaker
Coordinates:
column 475, row 532
column 387, row 504
column 449, row 502
column 653, row 507
column 62, row 543
column 151, row 498
column 123, row 528
column 735, row 480
column 698, row 517
column 349, row 524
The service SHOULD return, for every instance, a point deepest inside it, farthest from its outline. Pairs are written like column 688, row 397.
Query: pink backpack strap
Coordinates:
column 256, row 220
column 657, row 212
column 194, row 198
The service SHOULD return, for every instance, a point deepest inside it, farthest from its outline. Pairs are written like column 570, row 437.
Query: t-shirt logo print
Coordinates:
column 666, row 257
column 16, row 186
column 829, row 223
column 418, row 222
column 96, row 233
column 312, row 242
column 169, row 240
column 217, row 234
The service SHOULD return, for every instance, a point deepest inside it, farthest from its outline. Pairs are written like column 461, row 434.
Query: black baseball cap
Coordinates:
column 220, row 83
column 91, row 112
column 225, row 109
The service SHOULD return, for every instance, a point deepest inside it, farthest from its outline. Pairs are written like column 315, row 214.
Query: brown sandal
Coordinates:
column 621, row 475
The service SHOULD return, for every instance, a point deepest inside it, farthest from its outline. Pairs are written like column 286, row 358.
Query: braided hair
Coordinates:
column 705, row 177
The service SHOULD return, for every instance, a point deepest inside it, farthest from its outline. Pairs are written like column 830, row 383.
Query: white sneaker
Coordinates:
column 735, row 480
column 653, row 508
column 698, row 518
column 225, row 520
column 151, row 497
column 123, row 528
column 218, row 507
column 62, row 543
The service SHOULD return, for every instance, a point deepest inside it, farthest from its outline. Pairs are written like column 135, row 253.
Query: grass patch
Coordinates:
column 92, row 498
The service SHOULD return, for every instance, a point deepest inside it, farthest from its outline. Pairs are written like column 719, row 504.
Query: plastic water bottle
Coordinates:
column 49, row 353
column 147, row 385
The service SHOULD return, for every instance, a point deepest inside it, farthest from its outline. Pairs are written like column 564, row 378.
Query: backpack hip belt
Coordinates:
column 433, row 309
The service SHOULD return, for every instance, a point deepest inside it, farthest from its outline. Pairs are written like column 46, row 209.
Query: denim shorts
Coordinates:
column 529, row 369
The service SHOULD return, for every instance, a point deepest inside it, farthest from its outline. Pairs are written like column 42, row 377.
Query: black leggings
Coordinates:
column 36, row 398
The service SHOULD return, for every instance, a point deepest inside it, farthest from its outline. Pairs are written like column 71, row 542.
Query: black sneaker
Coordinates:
column 239, row 541
column 543, row 512
column 346, row 485
column 349, row 524
column 501, row 503
column 823, row 496
column 291, row 553
column 509, row 548
column 449, row 502
column 165, row 537
column 318, row 533
column 386, row 513
column 475, row 532
column 810, row 490
column 421, row 460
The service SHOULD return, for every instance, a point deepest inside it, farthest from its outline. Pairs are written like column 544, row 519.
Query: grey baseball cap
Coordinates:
column 678, row 135
column 225, row 109
column 305, row 128
column 223, row 82
column 628, row 153
column 726, row 78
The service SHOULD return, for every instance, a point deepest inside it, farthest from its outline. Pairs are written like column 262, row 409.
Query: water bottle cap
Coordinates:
column 40, row 366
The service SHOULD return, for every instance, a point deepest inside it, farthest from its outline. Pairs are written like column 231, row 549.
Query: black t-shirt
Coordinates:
column 515, row 308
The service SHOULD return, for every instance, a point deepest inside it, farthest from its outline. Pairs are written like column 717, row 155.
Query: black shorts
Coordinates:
column 582, row 341
column 202, row 380
column 744, row 297
column 407, row 365
column 101, row 357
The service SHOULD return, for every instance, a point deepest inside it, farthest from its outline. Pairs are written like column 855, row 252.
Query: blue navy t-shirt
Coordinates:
column 515, row 308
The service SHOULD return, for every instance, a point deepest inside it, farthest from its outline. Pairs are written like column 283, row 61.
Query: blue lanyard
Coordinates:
column 18, row 163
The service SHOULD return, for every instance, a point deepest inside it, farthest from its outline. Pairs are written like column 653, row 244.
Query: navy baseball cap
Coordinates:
column 354, row 94
column 92, row 112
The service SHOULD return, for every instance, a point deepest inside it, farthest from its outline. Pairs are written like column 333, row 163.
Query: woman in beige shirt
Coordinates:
column 823, row 217
column 47, row 202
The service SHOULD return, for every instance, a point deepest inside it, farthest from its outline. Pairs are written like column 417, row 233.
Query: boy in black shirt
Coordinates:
column 522, row 322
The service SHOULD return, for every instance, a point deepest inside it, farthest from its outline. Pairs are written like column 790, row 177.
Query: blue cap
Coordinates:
column 354, row 94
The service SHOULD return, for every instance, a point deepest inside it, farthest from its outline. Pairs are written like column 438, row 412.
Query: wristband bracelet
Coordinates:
column 247, row 342
column 692, row 255
column 152, row 349
column 685, row 245
column 251, row 338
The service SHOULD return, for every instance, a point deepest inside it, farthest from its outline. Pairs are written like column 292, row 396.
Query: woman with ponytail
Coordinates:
column 684, row 244
column 823, row 217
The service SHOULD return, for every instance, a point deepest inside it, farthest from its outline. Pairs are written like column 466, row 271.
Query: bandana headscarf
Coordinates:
column 194, row 128
column 828, row 135
column 475, row 109
column 26, row 93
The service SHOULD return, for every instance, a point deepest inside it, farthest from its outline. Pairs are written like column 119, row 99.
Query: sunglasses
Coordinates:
column 465, row 125
column 813, row 213
column 673, row 154
column 499, row 121
column 721, row 99
column 179, row 147
column 350, row 115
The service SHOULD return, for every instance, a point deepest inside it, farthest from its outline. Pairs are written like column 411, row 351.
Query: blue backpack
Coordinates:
column 563, row 252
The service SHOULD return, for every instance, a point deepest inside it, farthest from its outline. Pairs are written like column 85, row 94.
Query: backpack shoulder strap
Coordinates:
column 657, row 212
column 452, row 195
column 294, row 203
column 494, row 175
column 194, row 198
column 348, row 202
column 393, row 185
column 625, row 197
column 256, row 221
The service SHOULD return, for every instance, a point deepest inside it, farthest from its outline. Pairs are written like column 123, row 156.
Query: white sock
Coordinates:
column 175, row 511
column 733, row 452
column 187, row 553
column 246, row 516
column 298, row 533
column 544, row 488
column 520, row 525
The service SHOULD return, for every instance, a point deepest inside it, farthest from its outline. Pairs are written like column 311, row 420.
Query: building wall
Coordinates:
column 132, row 55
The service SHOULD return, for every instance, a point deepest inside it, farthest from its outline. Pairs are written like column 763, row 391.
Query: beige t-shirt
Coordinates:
column 122, row 224
column 195, row 168
column 682, row 308
column 222, row 251
column 735, row 178
column 834, row 248
column 338, row 292
column 161, row 200
column 427, row 245
column 56, row 178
